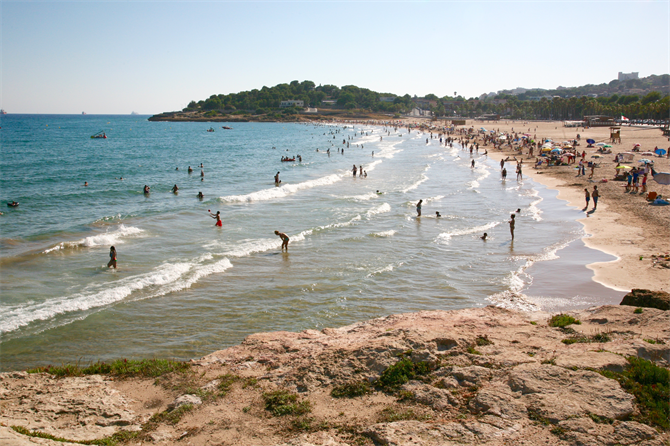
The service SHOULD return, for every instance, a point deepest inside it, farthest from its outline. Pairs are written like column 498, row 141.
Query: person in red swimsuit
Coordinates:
column 218, row 218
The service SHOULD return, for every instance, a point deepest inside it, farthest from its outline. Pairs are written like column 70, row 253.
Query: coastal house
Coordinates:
column 598, row 121
column 310, row 110
column 628, row 76
column 291, row 103
column 420, row 113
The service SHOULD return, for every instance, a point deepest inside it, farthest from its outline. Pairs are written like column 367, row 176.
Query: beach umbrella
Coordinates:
column 601, row 144
column 660, row 152
column 647, row 153
column 590, row 141
column 644, row 160
column 482, row 128
column 623, row 167
column 662, row 178
column 556, row 150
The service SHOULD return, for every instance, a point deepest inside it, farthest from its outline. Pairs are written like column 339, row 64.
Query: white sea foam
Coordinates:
column 280, row 192
column 444, row 237
column 105, row 239
column 390, row 233
column 416, row 184
column 378, row 210
column 164, row 279
column 386, row 269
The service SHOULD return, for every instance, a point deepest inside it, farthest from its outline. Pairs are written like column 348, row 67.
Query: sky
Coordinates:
column 115, row 57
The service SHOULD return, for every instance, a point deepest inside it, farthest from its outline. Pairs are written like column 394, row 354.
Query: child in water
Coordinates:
column 217, row 216
column 112, row 258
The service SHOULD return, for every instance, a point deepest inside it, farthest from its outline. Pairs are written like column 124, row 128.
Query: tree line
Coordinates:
column 652, row 105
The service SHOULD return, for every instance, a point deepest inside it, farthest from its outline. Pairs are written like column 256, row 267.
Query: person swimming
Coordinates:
column 379, row 193
column 146, row 189
column 437, row 214
column 200, row 195
column 483, row 237
column 175, row 188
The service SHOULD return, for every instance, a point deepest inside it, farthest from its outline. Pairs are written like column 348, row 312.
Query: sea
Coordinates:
column 184, row 287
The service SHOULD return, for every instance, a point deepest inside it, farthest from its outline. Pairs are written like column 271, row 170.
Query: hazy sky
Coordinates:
column 155, row 56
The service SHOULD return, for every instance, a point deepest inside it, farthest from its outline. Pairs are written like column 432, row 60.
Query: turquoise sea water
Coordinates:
column 184, row 288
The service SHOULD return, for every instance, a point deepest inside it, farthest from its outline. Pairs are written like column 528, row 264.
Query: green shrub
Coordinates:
column 483, row 340
column 113, row 440
column 124, row 368
column 283, row 402
column 649, row 384
column 471, row 349
column 638, row 310
column 351, row 390
column 562, row 320
column 401, row 372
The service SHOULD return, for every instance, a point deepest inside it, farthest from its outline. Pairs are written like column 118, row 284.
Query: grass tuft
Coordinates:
column 638, row 310
column 483, row 340
column 113, row 440
column 401, row 372
column 351, row 390
column 123, row 368
column 283, row 402
column 562, row 320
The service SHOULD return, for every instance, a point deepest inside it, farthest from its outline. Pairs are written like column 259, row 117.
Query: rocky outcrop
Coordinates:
column 647, row 299
column 485, row 376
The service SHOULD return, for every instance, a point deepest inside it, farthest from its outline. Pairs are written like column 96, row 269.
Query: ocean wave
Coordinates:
column 386, row 269
column 413, row 186
column 164, row 279
column 379, row 210
column 444, row 237
column 280, row 192
column 390, row 233
column 105, row 239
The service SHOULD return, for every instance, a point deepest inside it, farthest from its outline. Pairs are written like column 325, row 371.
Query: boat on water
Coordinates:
column 3, row 112
column 134, row 113
column 287, row 159
column 226, row 127
column 83, row 113
column 211, row 129
column 100, row 135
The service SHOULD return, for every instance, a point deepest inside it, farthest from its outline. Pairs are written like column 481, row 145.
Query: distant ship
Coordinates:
column 83, row 113
column 3, row 112
column 134, row 113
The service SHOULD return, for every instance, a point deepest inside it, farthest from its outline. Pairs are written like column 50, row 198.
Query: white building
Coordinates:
column 284, row 104
column 628, row 76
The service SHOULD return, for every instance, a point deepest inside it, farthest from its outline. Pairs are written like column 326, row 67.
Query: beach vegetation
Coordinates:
column 562, row 320
column 654, row 341
column 284, row 402
column 122, row 368
column 650, row 384
column 402, row 372
column 112, row 440
column 171, row 417
column 391, row 414
column 226, row 381
column 351, row 390
column 638, row 310
column 471, row 349
column 483, row 340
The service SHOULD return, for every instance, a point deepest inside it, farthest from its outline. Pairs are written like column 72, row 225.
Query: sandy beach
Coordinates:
column 625, row 224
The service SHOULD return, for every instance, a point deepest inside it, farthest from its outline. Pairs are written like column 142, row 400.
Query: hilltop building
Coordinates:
column 628, row 76
column 285, row 104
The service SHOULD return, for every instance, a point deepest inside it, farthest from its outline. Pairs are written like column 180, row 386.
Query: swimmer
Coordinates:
column 200, row 195
column 418, row 208
column 146, row 189
column 483, row 237
column 518, row 211
column 112, row 258
column 379, row 193
column 175, row 189
column 202, row 173
column 284, row 238
column 437, row 214
column 85, row 183
column 177, row 168
column 190, row 170
column 217, row 216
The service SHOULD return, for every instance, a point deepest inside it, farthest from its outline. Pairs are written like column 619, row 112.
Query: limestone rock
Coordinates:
column 594, row 360
column 648, row 299
column 183, row 400
column 438, row 399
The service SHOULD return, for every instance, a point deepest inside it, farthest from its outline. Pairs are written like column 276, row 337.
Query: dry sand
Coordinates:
column 624, row 225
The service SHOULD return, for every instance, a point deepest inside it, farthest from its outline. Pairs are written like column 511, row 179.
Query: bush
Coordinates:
column 401, row 372
column 562, row 320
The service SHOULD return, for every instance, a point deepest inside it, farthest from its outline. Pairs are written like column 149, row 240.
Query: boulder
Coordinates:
column 183, row 400
column 648, row 299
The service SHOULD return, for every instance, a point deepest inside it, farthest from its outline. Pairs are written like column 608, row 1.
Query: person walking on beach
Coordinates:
column 112, row 258
column 217, row 216
column 284, row 240
column 587, row 197
column 595, row 195
column 418, row 208
column 511, row 225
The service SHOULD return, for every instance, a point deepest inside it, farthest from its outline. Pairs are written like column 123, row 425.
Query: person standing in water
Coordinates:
column 587, row 197
column 175, row 189
column 511, row 225
column 277, row 180
column 112, row 258
column 217, row 216
column 284, row 240
column 595, row 195
column 418, row 208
